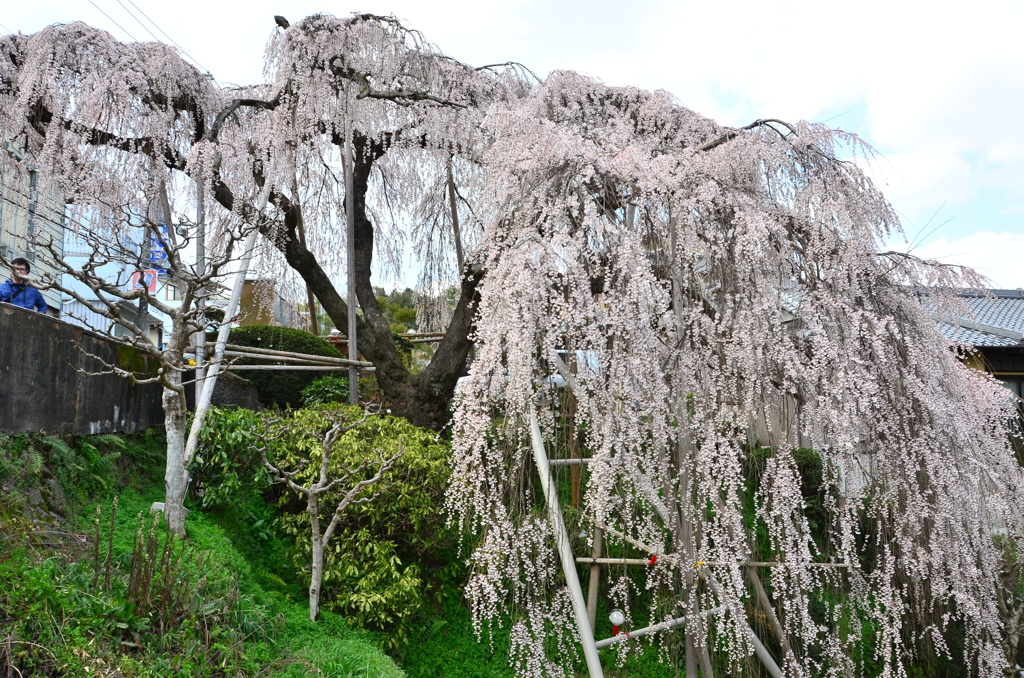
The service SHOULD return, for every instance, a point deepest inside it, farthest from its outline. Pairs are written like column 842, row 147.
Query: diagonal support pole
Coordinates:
column 579, row 605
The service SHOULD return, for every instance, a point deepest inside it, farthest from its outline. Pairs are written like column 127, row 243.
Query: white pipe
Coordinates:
column 623, row 636
column 579, row 605
column 741, row 616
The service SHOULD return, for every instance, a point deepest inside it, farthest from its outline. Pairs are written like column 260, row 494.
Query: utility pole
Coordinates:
column 199, row 339
column 146, row 256
column 350, row 217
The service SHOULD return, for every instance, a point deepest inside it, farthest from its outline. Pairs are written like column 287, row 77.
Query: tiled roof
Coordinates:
column 998, row 319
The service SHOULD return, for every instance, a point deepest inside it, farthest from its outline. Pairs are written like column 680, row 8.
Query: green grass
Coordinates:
column 236, row 616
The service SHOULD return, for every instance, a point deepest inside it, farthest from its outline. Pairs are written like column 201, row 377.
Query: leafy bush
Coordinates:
column 388, row 556
column 327, row 389
column 281, row 388
column 374, row 566
column 227, row 467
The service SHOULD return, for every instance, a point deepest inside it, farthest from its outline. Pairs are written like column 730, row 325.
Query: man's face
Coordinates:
column 19, row 272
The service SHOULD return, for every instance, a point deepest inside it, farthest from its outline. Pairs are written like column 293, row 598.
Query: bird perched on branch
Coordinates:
column 281, row 21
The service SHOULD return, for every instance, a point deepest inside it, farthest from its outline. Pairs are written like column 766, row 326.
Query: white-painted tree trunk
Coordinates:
column 175, row 478
column 317, row 573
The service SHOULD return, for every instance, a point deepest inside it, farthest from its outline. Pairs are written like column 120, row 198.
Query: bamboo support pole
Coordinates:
column 596, row 560
column 300, row 368
column 289, row 361
column 425, row 338
column 301, row 356
column 714, row 563
column 569, row 462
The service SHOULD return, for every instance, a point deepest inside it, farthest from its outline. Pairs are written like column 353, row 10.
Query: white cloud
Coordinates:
column 935, row 87
column 999, row 256
column 922, row 180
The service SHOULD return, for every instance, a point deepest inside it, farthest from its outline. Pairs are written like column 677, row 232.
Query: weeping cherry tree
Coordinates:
column 718, row 290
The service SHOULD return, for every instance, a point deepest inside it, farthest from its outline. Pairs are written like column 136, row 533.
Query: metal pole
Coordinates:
column 350, row 217
column 199, row 339
column 579, row 606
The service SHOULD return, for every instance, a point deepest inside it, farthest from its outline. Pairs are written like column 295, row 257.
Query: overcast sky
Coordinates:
column 936, row 88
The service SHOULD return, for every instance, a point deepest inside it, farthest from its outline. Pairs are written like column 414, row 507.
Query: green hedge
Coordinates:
column 280, row 388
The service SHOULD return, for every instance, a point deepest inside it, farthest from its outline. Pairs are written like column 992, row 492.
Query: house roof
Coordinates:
column 997, row 319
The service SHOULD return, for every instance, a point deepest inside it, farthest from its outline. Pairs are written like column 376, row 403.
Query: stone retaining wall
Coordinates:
column 44, row 386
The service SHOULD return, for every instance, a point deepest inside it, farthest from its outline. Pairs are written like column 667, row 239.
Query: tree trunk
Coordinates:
column 423, row 398
column 175, row 479
column 317, row 573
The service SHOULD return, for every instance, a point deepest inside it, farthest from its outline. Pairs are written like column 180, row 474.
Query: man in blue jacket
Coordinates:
column 17, row 291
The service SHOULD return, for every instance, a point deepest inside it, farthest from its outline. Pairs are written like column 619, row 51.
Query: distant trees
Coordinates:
column 398, row 307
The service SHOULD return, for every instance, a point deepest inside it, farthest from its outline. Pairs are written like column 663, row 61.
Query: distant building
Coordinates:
column 262, row 304
column 996, row 331
column 28, row 216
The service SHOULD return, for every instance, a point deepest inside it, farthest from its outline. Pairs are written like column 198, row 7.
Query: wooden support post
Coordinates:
column 595, row 576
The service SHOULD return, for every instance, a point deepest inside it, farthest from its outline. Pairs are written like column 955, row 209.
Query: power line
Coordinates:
column 6, row 29
column 157, row 26
column 112, row 20
column 137, row 20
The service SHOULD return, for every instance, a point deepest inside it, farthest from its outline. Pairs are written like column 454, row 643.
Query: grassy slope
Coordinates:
column 60, row 624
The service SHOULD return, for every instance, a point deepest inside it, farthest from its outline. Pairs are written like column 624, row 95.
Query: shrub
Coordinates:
column 388, row 555
column 281, row 388
column 227, row 467
column 327, row 389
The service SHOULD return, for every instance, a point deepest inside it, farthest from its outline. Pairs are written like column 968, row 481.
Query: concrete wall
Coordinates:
column 43, row 389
